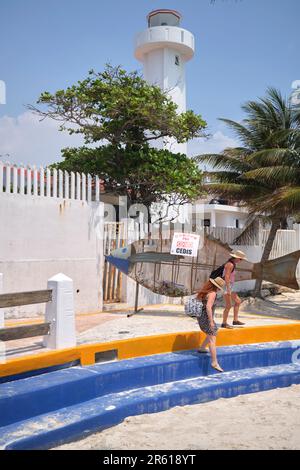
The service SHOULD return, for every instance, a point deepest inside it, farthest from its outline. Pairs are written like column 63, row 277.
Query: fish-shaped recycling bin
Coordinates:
column 152, row 266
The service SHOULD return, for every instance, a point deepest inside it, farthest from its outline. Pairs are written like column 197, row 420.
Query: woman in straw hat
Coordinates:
column 207, row 295
column 229, row 295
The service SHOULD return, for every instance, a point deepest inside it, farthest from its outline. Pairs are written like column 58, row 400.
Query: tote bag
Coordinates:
column 193, row 307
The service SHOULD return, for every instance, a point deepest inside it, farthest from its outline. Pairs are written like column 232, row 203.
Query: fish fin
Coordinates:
column 123, row 265
column 281, row 271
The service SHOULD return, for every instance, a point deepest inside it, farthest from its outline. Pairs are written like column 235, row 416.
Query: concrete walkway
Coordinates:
column 114, row 324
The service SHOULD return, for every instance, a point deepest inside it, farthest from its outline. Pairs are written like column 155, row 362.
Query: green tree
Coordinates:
column 121, row 108
column 144, row 175
column 264, row 173
column 124, row 114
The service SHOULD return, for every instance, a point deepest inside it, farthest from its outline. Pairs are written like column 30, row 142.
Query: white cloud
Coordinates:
column 28, row 140
column 214, row 144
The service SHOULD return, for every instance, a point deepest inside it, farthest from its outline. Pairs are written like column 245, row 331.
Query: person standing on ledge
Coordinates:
column 230, row 297
column 227, row 272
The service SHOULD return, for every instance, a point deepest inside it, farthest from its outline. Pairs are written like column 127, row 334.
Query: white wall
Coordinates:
column 228, row 219
column 42, row 236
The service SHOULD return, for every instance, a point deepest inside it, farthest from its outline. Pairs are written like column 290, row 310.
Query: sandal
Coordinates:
column 226, row 325
column 217, row 367
column 202, row 351
column 238, row 323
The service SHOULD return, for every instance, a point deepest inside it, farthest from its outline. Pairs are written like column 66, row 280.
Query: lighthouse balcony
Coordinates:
column 165, row 36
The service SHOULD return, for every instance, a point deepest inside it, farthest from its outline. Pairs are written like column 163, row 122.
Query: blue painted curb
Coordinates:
column 44, row 410
column 44, row 393
column 80, row 420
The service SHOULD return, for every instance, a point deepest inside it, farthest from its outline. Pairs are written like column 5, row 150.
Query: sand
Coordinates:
column 265, row 420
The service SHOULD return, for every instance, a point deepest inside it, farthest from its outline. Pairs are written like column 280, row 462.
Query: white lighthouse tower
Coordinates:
column 164, row 48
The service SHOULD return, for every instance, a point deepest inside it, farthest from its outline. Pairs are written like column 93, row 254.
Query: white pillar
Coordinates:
column 48, row 182
column 22, row 180
column 1, row 309
column 60, row 313
column 97, row 182
column 60, row 184
column 213, row 219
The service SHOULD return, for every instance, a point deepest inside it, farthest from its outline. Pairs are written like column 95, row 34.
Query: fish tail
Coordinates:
column 280, row 271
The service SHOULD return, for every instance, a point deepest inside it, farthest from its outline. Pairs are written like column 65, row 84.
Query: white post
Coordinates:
column 97, row 198
column 1, row 309
column 15, row 179
column 35, row 181
column 89, row 187
column 83, row 179
column 28, row 181
column 48, row 182
column 8, row 178
column 42, row 181
column 72, row 185
column 213, row 219
column 22, row 180
column 54, row 184
column 78, row 184
column 60, row 183
column 66, row 185
column 60, row 313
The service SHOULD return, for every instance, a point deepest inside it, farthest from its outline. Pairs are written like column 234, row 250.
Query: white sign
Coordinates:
column 185, row 244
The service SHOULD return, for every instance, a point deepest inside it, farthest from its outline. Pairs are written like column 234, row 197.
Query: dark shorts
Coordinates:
column 204, row 322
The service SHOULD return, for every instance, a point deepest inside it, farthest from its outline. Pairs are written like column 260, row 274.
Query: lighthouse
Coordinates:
column 164, row 48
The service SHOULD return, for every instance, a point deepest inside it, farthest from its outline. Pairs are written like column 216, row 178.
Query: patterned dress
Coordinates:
column 203, row 320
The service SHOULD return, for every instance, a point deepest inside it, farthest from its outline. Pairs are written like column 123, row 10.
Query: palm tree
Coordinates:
column 264, row 172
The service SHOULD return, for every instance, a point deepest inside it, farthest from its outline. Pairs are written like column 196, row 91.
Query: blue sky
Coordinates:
column 242, row 47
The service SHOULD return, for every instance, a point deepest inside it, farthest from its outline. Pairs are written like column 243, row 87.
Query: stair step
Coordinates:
column 72, row 422
column 37, row 395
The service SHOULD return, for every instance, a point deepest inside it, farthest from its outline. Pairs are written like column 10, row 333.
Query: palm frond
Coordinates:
column 250, row 230
column 272, row 157
column 224, row 162
column 285, row 199
column 244, row 193
column 274, row 176
column 240, row 131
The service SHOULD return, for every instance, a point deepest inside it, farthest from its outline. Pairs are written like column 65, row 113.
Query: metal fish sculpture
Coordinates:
column 152, row 266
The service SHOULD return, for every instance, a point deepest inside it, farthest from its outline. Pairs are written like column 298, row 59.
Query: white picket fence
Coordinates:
column 46, row 182
column 225, row 234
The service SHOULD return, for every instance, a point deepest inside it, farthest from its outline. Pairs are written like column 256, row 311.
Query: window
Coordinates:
column 206, row 222
column 177, row 62
column 237, row 223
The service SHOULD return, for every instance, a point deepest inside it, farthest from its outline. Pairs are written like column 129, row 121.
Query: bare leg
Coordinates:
column 237, row 303
column 213, row 352
column 228, row 305
column 212, row 348
column 204, row 343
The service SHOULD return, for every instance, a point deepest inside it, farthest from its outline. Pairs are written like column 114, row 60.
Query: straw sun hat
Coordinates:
column 238, row 254
column 218, row 282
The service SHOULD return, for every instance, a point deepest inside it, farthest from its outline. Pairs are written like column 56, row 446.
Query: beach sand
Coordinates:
column 264, row 420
